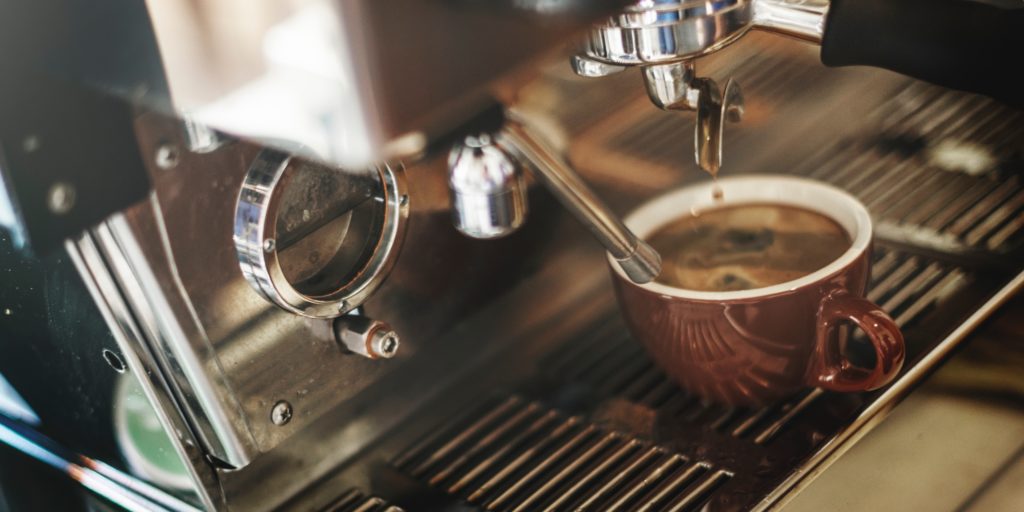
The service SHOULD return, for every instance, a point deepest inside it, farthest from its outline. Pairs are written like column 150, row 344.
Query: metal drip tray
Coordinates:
column 522, row 455
column 584, row 420
column 599, row 427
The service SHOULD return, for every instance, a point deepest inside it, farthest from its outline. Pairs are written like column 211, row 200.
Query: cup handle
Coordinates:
column 830, row 370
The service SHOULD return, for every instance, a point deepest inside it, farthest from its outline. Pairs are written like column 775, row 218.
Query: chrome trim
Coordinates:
column 877, row 411
column 215, row 413
column 802, row 19
column 639, row 261
column 256, row 232
column 487, row 188
column 660, row 32
column 105, row 481
column 86, row 257
column 671, row 86
column 655, row 34
column 590, row 68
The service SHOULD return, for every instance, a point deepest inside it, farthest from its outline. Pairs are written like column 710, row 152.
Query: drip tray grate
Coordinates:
column 593, row 424
column 600, row 427
column 520, row 455
column 355, row 501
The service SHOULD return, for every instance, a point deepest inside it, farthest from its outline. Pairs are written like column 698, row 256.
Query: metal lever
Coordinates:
column 639, row 261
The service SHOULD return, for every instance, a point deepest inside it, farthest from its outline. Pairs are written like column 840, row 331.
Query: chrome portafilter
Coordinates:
column 663, row 37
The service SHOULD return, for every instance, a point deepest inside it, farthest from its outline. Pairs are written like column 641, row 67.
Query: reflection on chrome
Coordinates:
column 14, row 406
column 145, row 445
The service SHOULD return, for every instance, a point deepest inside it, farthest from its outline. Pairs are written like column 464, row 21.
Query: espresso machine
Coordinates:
column 340, row 254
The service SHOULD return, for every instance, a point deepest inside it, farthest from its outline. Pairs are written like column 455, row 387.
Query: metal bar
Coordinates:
column 702, row 491
column 773, row 430
column 463, row 436
column 506, row 448
column 880, row 407
column 524, row 456
column 913, row 286
column 638, row 260
column 951, row 282
column 647, row 479
column 537, row 469
column 369, row 505
column 751, row 421
column 890, row 283
column 593, row 472
column 673, row 486
column 635, row 464
column 436, row 435
column 883, row 266
column 980, row 210
column 486, row 441
column 1000, row 237
column 995, row 219
column 344, row 501
column 140, row 496
column 947, row 215
column 575, row 464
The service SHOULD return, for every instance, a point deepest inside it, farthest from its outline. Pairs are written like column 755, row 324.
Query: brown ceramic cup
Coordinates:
column 753, row 346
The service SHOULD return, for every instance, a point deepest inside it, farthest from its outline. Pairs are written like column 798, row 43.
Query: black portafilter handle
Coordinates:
column 961, row 44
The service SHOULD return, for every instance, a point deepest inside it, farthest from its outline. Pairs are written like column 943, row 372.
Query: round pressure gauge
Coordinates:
column 314, row 240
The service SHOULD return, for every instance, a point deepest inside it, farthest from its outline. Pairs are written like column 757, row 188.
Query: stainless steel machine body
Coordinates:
column 310, row 330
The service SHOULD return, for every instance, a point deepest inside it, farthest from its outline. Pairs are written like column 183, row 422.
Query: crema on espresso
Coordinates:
column 746, row 246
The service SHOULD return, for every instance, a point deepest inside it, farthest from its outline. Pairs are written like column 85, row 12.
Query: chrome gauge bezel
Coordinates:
column 255, row 233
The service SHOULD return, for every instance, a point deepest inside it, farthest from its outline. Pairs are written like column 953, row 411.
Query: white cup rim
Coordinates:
column 756, row 188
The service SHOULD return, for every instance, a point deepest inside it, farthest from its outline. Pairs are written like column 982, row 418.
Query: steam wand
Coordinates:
column 489, row 194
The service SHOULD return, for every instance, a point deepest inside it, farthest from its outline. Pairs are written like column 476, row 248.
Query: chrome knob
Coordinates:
column 488, row 190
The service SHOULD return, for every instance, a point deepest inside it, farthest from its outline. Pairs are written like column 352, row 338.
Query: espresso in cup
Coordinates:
column 746, row 246
column 754, row 289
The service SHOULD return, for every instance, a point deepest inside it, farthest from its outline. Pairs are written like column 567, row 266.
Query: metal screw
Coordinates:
column 61, row 198
column 269, row 244
column 385, row 344
column 166, row 156
column 281, row 413
column 389, row 346
column 201, row 138
column 404, row 201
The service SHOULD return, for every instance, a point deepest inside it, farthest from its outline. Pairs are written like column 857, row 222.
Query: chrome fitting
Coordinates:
column 488, row 191
column 365, row 336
